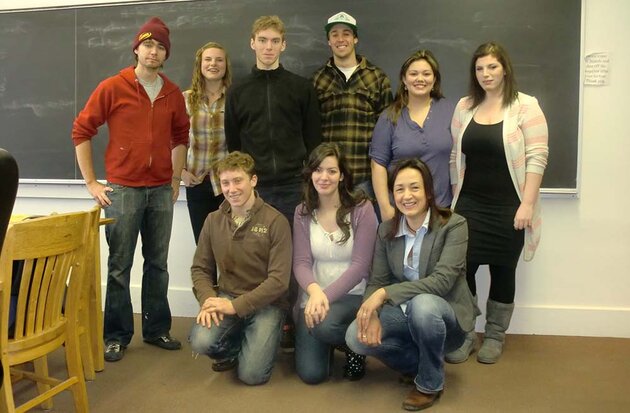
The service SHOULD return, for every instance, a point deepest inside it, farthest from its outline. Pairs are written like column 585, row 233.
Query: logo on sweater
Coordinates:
column 144, row 36
column 259, row 229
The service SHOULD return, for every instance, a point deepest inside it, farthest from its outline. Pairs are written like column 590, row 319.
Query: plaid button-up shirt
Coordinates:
column 350, row 109
column 206, row 140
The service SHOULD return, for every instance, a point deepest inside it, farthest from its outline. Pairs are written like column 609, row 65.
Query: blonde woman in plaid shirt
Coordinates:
column 205, row 103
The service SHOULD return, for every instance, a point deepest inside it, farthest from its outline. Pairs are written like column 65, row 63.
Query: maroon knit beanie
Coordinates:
column 153, row 29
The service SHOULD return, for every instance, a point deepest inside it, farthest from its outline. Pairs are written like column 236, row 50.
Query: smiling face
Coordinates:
column 342, row 40
column 268, row 44
column 238, row 189
column 151, row 54
column 213, row 64
column 326, row 177
column 410, row 196
column 490, row 74
column 419, row 78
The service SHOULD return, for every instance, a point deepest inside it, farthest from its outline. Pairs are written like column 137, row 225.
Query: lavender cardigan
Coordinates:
column 364, row 225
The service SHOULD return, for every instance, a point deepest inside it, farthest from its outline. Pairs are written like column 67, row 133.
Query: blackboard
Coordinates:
column 51, row 60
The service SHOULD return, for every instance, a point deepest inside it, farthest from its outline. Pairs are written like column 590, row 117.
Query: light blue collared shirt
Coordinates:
column 413, row 246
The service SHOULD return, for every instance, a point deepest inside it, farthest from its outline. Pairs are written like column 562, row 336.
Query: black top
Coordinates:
column 487, row 177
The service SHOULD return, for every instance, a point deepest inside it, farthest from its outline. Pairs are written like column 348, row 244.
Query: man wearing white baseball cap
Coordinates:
column 352, row 93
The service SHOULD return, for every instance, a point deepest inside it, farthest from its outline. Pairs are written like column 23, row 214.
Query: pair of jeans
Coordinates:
column 414, row 342
column 284, row 198
column 147, row 211
column 253, row 339
column 313, row 347
column 366, row 186
column 201, row 201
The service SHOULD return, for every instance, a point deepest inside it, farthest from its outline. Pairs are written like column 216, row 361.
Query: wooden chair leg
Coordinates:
column 41, row 369
column 75, row 368
column 96, row 310
column 7, row 403
column 87, row 357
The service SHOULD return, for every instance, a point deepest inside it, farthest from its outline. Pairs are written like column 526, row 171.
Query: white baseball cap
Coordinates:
column 342, row 18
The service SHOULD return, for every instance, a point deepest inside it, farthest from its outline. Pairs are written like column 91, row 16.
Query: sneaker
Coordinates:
column 114, row 351
column 166, row 342
column 287, row 340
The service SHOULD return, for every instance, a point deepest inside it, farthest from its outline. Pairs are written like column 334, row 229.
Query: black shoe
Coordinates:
column 166, row 342
column 287, row 340
column 114, row 351
column 355, row 365
column 225, row 364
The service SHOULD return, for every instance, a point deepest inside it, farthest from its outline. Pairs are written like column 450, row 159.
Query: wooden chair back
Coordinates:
column 53, row 250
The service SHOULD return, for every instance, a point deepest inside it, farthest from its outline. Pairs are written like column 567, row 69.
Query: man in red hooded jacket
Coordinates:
column 148, row 134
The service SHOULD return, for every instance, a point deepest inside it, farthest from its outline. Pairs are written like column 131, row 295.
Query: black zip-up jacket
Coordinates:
column 273, row 115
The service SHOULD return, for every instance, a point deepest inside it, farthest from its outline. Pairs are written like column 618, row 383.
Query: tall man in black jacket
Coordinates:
column 273, row 115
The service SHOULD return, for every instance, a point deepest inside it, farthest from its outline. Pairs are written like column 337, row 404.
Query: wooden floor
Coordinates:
column 536, row 374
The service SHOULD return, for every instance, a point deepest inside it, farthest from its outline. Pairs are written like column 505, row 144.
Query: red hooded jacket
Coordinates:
column 141, row 134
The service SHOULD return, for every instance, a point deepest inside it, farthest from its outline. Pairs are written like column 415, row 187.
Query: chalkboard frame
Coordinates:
column 297, row 37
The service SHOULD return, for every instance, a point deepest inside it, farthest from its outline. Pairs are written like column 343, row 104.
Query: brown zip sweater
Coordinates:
column 253, row 260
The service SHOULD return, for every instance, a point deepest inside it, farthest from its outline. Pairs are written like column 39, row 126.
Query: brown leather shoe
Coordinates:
column 416, row 400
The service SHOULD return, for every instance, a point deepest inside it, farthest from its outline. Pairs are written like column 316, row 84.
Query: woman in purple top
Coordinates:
column 334, row 231
column 416, row 125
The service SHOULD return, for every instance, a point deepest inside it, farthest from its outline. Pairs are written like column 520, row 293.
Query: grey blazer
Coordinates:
column 442, row 268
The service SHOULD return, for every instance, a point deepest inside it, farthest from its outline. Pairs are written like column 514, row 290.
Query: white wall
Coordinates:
column 579, row 282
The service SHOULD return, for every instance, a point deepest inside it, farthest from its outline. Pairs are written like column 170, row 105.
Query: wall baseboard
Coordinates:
column 537, row 320
column 568, row 321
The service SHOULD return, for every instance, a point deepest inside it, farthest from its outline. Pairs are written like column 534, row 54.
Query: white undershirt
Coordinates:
column 152, row 88
column 330, row 259
column 348, row 71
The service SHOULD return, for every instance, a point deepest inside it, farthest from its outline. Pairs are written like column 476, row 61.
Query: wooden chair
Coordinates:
column 54, row 252
column 91, row 314
column 8, row 190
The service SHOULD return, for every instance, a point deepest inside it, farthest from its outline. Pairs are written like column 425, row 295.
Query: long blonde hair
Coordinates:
column 197, row 88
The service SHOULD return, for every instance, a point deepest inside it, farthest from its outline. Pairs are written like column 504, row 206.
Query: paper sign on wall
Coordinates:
column 596, row 69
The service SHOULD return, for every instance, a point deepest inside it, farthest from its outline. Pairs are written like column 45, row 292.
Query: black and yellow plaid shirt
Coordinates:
column 350, row 109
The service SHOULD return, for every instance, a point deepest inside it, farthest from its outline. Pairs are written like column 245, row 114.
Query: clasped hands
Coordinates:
column 317, row 306
column 213, row 310
column 368, row 323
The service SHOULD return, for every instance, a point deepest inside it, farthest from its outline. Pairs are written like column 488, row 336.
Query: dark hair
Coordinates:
column 510, row 89
column 402, row 94
column 413, row 163
column 347, row 197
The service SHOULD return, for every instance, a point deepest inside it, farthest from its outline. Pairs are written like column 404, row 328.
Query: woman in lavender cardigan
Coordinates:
column 334, row 232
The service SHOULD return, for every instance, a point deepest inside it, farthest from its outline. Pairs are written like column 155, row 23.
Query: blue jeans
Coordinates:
column 415, row 343
column 147, row 211
column 284, row 197
column 254, row 339
column 367, row 187
column 313, row 347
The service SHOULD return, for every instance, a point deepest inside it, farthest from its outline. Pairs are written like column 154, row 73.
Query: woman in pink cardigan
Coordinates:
column 334, row 231
column 497, row 164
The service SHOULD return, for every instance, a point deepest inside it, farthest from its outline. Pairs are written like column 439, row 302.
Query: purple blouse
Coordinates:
column 364, row 225
column 431, row 143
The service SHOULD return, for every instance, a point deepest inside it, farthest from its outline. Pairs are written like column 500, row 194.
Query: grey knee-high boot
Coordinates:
column 470, row 342
column 498, row 316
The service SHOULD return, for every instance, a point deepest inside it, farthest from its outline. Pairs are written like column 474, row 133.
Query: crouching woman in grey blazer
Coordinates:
column 417, row 305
